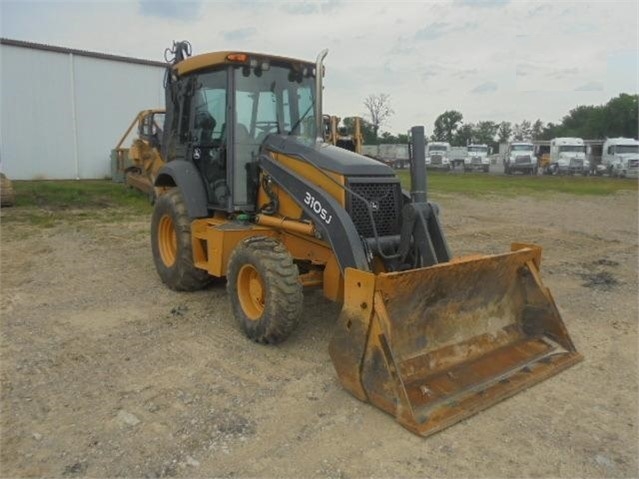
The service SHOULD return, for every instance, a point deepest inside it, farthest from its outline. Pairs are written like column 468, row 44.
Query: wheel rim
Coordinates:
column 167, row 240
column 251, row 292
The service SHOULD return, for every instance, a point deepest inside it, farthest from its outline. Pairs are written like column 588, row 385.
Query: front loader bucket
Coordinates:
column 435, row 345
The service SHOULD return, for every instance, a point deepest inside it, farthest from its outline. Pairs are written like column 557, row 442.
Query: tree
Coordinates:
column 464, row 135
column 537, row 129
column 504, row 132
column 485, row 132
column 618, row 117
column 379, row 110
column 446, row 125
column 621, row 117
column 522, row 131
column 388, row 137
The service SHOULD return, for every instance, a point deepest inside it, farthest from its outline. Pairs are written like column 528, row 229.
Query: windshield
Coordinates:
column 627, row 149
column 572, row 149
column 522, row 147
column 437, row 148
column 477, row 149
column 280, row 99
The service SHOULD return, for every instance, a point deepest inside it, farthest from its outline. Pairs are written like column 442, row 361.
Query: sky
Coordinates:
column 493, row 60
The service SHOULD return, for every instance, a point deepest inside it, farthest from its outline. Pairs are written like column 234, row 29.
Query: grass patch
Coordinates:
column 518, row 185
column 78, row 195
column 46, row 204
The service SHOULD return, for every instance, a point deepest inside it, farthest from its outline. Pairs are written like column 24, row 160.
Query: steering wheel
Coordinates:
column 266, row 126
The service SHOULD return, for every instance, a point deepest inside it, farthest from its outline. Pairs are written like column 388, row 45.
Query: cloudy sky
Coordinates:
column 492, row 60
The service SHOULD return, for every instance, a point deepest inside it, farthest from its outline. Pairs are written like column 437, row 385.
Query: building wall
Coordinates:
column 62, row 113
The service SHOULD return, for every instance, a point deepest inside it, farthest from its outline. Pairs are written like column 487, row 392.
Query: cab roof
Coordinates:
column 206, row 60
column 622, row 141
column 568, row 141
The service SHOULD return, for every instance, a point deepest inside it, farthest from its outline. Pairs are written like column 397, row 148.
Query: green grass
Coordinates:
column 518, row 185
column 46, row 203
column 62, row 195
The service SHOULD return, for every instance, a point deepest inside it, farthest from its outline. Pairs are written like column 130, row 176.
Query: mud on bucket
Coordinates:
column 435, row 345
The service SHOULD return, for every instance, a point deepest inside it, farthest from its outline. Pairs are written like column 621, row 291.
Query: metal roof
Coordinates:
column 83, row 53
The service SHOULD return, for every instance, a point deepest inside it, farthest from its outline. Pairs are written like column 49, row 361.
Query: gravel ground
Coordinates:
column 105, row 372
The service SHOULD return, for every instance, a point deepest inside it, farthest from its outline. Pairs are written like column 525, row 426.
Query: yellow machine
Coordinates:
column 139, row 165
column 339, row 136
column 250, row 192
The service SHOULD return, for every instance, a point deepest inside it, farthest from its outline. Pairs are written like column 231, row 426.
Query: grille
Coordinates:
column 522, row 159
column 476, row 160
column 386, row 204
column 576, row 163
column 436, row 159
column 633, row 163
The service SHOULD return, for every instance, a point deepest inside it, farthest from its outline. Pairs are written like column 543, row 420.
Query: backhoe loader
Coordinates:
column 138, row 165
column 337, row 135
column 251, row 193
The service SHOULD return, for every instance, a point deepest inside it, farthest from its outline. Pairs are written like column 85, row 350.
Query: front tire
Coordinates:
column 264, row 289
column 171, row 244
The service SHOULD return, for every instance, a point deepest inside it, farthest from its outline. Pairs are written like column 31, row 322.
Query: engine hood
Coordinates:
column 327, row 157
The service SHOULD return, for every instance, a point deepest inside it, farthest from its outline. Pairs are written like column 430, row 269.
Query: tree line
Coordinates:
column 618, row 117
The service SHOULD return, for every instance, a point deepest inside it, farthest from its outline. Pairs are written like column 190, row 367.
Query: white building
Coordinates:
column 63, row 110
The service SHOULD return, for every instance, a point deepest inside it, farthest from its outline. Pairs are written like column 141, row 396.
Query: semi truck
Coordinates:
column 568, row 156
column 438, row 155
column 520, row 156
column 477, row 158
column 620, row 157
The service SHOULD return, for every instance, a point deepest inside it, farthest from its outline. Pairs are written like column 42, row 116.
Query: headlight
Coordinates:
column 427, row 160
column 445, row 161
column 562, row 161
column 466, row 160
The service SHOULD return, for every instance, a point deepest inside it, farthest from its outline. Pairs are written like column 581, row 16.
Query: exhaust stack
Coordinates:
column 418, row 165
column 318, row 94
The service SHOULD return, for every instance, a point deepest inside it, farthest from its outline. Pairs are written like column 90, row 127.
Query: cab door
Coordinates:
column 207, row 145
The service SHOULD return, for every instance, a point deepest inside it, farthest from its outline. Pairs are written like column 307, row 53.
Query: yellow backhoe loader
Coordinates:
column 250, row 192
column 138, row 165
column 339, row 136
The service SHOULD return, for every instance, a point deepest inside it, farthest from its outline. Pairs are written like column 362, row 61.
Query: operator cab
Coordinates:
column 223, row 106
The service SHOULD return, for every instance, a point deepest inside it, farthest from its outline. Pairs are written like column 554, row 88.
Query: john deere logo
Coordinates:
column 196, row 154
column 375, row 205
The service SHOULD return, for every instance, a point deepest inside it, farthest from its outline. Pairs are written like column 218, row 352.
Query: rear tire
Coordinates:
column 171, row 244
column 264, row 289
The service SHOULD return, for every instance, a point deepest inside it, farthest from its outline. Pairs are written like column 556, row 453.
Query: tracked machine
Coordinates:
column 251, row 193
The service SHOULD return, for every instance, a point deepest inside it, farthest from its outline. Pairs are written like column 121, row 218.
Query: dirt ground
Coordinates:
column 105, row 372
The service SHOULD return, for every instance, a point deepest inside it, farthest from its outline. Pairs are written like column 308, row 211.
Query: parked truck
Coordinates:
column 477, row 158
column 568, row 156
column 457, row 156
column 438, row 155
column 520, row 156
column 620, row 157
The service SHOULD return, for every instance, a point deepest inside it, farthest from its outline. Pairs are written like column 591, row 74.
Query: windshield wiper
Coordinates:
column 301, row 119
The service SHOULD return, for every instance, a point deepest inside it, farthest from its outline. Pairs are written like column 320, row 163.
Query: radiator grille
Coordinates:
column 576, row 163
column 522, row 159
column 385, row 199
column 436, row 159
